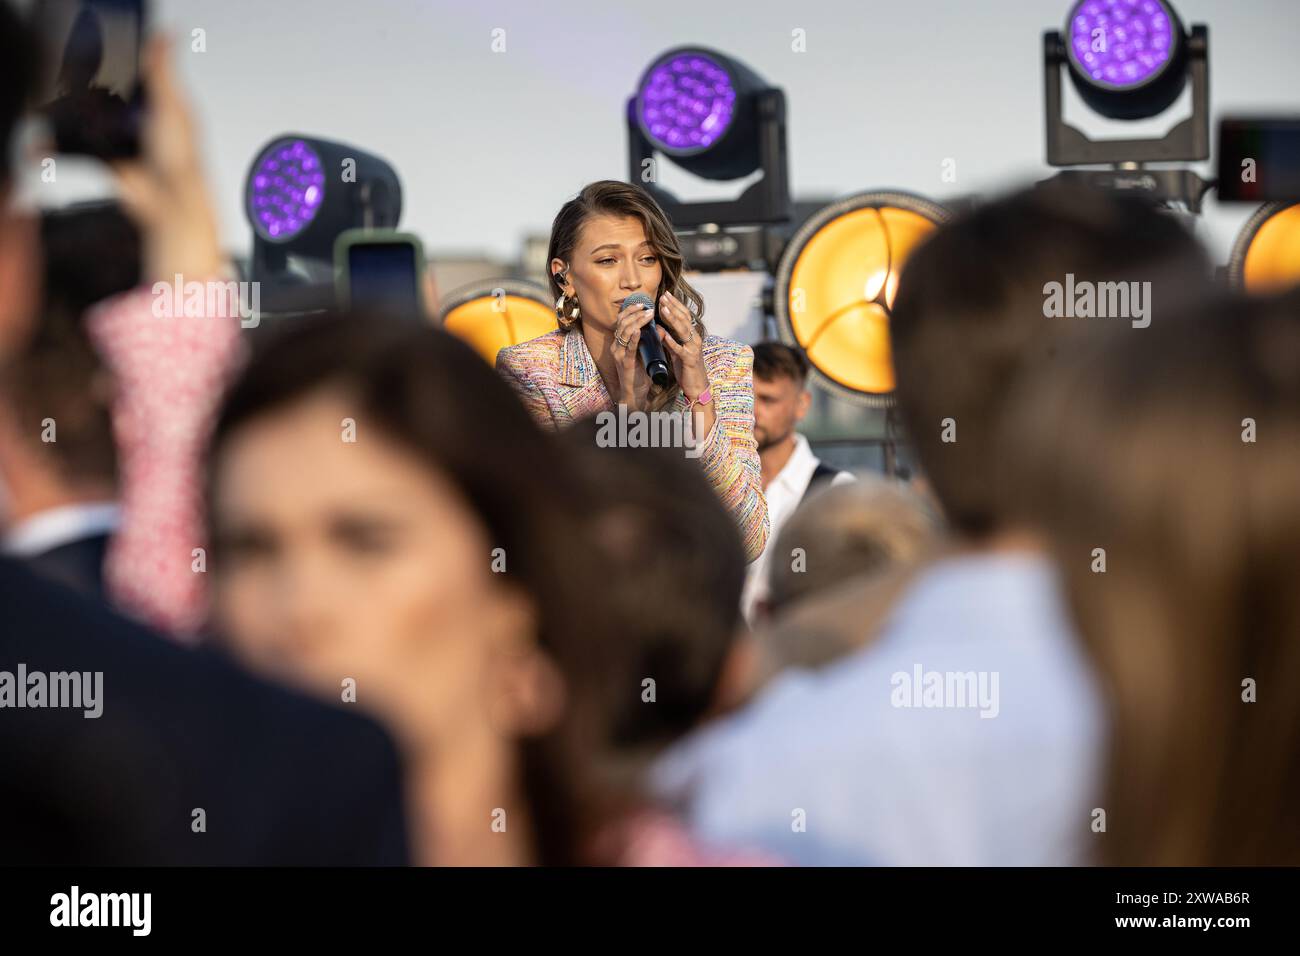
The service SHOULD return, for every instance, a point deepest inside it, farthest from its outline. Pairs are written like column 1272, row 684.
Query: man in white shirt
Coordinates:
column 790, row 469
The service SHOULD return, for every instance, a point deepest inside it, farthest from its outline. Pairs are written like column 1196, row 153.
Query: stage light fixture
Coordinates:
column 686, row 104
column 693, row 106
column 835, row 287
column 1129, row 60
column 301, row 192
column 1266, row 256
column 495, row 313
column 717, row 119
column 286, row 189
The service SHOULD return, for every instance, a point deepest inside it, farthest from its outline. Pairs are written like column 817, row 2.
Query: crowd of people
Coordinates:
column 358, row 597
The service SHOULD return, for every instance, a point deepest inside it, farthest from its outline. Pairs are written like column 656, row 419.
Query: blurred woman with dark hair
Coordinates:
column 1173, row 510
column 376, row 540
column 612, row 241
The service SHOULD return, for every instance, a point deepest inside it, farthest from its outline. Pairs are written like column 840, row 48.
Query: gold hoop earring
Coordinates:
column 565, row 320
column 574, row 313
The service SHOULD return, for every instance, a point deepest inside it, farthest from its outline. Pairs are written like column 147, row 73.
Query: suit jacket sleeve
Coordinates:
column 516, row 376
column 281, row 779
column 729, row 453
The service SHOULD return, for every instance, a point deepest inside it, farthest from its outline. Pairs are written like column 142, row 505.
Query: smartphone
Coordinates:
column 380, row 270
column 92, row 95
column 1259, row 159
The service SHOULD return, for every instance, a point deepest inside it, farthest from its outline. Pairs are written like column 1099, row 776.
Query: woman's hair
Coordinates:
column 672, row 570
column 612, row 198
column 430, row 393
column 1172, row 454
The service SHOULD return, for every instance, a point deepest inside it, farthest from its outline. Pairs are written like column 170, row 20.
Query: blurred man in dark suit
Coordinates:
column 190, row 761
column 179, row 758
column 58, row 460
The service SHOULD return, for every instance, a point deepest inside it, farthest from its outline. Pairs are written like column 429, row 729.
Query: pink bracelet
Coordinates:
column 704, row 397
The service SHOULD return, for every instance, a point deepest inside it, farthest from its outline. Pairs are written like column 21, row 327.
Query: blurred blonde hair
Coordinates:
column 1137, row 446
column 846, row 531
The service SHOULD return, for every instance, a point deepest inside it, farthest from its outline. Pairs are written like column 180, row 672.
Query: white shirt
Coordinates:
column 55, row 527
column 830, row 767
column 783, row 496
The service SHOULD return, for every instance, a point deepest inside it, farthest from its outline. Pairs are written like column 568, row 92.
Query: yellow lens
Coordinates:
column 1273, row 258
column 490, row 322
column 842, row 287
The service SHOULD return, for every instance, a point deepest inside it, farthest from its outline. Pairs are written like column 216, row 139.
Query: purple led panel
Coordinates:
column 286, row 190
column 686, row 103
column 1121, row 44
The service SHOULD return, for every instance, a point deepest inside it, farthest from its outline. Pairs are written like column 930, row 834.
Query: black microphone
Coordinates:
column 651, row 349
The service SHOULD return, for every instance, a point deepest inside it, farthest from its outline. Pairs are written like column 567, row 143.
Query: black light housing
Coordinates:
column 301, row 192
column 1124, row 81
column 1143, row 66
column 717, row 119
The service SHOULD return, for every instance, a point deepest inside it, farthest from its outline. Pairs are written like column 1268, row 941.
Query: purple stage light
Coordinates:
column 287, row 189
column 686, row 103
column 1121, row 44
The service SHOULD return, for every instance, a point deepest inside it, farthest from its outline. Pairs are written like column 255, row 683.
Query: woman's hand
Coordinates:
column 687, row 356
column 687, row 349
column 633, row 382
column 164, row 190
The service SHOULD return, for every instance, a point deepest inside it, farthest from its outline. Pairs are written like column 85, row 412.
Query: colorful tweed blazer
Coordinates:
column 557, row 379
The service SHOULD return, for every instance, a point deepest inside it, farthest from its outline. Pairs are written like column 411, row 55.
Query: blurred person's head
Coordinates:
column 608, row 242
column 56, row 428
column 19, row 258
column 972, row 314
column 385, row 520
column 92, row 252
column 855, row 530
column 1164, row 465
column 781, row 397
column 671, row 570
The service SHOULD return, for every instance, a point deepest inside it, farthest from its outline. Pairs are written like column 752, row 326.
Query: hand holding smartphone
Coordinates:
column 92, row 95
column 380, row 270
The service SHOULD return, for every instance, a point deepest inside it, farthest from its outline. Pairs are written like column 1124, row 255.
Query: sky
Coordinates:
column 489, row 144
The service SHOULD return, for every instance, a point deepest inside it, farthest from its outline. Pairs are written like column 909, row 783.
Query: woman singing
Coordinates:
column 611, row 241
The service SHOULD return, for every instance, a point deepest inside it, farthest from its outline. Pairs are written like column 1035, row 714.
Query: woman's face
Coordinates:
column 611, row 260
column 348, row 559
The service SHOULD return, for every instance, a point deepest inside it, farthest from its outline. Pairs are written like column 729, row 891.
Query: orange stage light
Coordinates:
column 1266, row 256
column 836, row 283
column 491, row 315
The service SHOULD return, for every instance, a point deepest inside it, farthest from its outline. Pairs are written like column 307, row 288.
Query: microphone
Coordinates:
column 651, row 349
